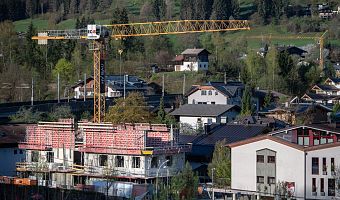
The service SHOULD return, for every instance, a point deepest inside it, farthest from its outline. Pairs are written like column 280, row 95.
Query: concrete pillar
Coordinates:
column 234, row 196
column 258, row 197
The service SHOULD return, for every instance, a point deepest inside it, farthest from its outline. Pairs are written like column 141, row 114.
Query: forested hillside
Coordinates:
column 22, row 59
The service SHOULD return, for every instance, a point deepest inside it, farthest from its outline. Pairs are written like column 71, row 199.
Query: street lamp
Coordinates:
column 163, row 163
column 212, row 183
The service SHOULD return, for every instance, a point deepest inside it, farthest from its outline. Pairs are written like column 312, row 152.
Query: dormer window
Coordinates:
column 203, row 92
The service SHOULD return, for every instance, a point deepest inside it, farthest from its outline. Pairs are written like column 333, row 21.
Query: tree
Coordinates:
column 184, row 185
column 132, row 109
column 221, row 9
column 26, row 115
column 32, row 52
column 60, row 112
column 267, row 99
column 221, row 164
column 65, row 69
column 246, row 108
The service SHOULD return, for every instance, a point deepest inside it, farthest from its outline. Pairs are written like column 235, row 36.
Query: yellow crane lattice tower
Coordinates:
column 99, row 33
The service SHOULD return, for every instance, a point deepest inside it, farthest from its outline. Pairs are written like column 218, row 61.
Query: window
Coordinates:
column 50, row 156
column 260, row 158
column 332, row 166
column 209, row 92
column 224, row 120
column 209, row 121
column 303, row 137
column 271, row 159
column 271, row 180
column 315, row 165
column 119, row 161
column 35, row 156
column 169, row 158
column 135, row 162
column 322, row 185
column 216, row 93
column 15, row 151
column 21, row 152
column 260, row 179
column 102, row 160
column 313, row 184
column 324, row 166
column 154, row 162
column 331, row 187
column 203, row 92
column 213, row 102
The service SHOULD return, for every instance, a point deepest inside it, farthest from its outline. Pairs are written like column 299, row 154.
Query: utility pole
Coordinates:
column 84, row 87
column 184, row 85
column 58, row 89
column 163, row 86
column 32, row 95
column 124, row 87
column 212, row 183
column 225, row 78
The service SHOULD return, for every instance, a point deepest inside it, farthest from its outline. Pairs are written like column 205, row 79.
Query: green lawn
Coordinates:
column 22, row 25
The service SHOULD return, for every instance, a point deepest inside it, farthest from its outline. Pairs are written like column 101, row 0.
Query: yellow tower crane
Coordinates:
column 320, row 39
column 98, row 35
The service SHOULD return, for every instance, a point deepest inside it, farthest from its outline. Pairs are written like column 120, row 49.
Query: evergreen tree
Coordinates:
column 221, row 164
column 246, row 107
column 267, row 99
column 222, row 9
column 74, row 7
column 187, row 9
column 184, row 185
column 32, row 53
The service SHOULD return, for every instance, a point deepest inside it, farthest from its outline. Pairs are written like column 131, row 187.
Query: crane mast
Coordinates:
column 98, row 34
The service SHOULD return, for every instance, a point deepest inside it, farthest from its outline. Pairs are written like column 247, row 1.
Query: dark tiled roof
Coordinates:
column 228, row 89
column 232, row 133
column 11, row 134
column 203, row 110
column 336, row 80
column 327, row 87
column 319, row 96
column 336, row 66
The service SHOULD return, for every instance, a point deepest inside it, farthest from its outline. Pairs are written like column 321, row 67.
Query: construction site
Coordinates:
column 90, row 156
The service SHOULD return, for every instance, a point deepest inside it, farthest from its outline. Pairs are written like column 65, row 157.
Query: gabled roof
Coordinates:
column 229, row 132
column 229, row 89
column 316, row 97
column 284, row 142
column 325, row 87
column 334, row 80
column 193, row 51
column 203, row 110
column 12, row 134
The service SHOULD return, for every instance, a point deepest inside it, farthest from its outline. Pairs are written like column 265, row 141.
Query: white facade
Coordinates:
column 290, row 167
column 147, row 166
column 194, row 121
column 8, row 159
column 194, row 66
column 209, row 97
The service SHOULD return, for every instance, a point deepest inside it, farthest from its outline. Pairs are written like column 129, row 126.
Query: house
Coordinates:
column 196, row 115
column 333, row 81
column 299, row 162
column 301, row 113
column 293, row 50
column 203, row 145
column 114, row 86
column 192, row 60
column 223, row 93
column 270, row 122
column 85, row 154
column 320, row 98
column 326, row 89
column 10, row 154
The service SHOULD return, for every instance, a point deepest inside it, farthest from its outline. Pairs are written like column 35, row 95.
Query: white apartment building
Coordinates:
column 304, row 158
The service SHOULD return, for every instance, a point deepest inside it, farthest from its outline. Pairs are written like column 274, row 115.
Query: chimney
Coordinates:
column 207, row 128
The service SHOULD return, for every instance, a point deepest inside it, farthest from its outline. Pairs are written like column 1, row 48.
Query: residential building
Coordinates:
column 224, row 93
column 203, row 145
column 293, row 50
column 270, row 122
column 303, row 158
column 196, row 115
column 326, row 89
column 10, row 154
column 75, row 155
column 114, row 86
column 192, row 60
column 337, row 68
column 300, row 113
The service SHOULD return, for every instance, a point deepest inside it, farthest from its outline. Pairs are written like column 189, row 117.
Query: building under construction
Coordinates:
column 91, row 155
